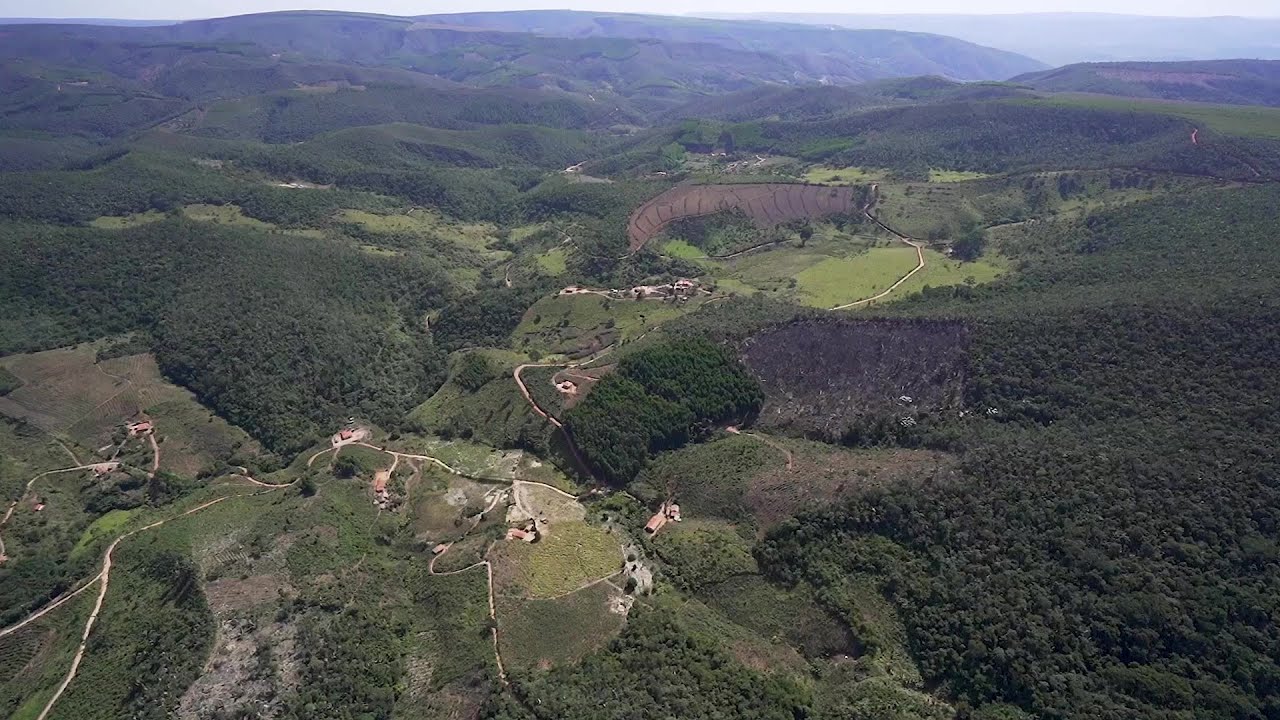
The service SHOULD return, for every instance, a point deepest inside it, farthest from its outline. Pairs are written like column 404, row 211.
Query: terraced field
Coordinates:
column 766, row 204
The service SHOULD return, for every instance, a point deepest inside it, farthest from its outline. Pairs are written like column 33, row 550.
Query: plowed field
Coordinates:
column 765, row 204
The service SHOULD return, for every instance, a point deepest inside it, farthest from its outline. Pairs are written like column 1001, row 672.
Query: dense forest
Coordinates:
column 658, row 399
column 654, row 669
column 1110, row 549
column 227, row 306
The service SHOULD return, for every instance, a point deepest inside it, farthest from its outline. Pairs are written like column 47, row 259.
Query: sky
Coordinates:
column 157, row 9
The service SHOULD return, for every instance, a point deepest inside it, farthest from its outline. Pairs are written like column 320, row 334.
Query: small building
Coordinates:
column 518, row 534
column 345, row 434
column 673, row 512
column 439, row 549
column 140, row 428
column 38, row 507
column 655, row 523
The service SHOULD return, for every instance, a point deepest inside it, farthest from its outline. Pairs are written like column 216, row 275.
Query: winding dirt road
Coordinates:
column 104, row 466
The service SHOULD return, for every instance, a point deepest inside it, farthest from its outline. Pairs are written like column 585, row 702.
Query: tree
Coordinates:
column 970, row 245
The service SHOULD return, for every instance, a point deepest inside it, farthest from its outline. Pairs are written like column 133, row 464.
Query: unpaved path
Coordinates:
column 919, row 248
column 155, row 454
column 105, row 579
column 767, row 441
column 1195, row 136
column 104, row 466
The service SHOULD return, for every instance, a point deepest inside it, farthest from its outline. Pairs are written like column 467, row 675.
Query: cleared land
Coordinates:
column 765, row 204
column 826, row 376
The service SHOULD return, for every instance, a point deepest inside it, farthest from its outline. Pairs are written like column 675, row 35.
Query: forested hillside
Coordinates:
column 1230, row 82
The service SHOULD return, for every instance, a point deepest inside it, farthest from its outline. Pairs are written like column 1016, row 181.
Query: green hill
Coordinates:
column 1227, row 82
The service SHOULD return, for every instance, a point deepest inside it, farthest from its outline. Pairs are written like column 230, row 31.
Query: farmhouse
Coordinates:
column 655, row 523
column 525, row 535
column 668, row 511
column 141, row 427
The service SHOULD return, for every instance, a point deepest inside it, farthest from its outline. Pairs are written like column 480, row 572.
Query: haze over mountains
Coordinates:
column 1062, row 38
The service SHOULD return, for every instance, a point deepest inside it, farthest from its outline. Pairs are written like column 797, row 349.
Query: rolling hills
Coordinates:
column 582, row 366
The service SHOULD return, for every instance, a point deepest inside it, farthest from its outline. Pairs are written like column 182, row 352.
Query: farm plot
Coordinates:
column 557, row 631
column 34, row 660
column 59, row 387
column 569, row 556
column 828, row 377
column 766, row 205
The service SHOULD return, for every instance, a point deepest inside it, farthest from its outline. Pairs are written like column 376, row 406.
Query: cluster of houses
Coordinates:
column 668, row 511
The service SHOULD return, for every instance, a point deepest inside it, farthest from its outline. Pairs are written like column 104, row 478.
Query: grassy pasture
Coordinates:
column 951, row 176
column 553, row 261
column 835, row 281
column 581, row 323
column 424, row 223
column 826, row 175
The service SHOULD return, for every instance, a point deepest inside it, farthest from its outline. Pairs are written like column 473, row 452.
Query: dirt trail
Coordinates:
column 155, row 455
column 13, row 505
column 919, row 248
column 50, row 607
column 104, row 579
column 1195, row 136
column 75, row 460
column 244, row 475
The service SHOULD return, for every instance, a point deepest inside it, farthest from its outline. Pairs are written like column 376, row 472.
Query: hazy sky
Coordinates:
column 216, row 8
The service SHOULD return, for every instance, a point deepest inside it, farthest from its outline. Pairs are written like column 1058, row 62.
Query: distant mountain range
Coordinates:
column 1231, row 82
column 1063, row 38
column 101, row 78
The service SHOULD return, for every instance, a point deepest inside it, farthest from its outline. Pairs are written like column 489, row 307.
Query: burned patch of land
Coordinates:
column 829, row 379
column 767, row 204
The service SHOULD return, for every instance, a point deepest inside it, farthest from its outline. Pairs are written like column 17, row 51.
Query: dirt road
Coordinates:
column 919, row 248
column 104, row 466
column 104, row 580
